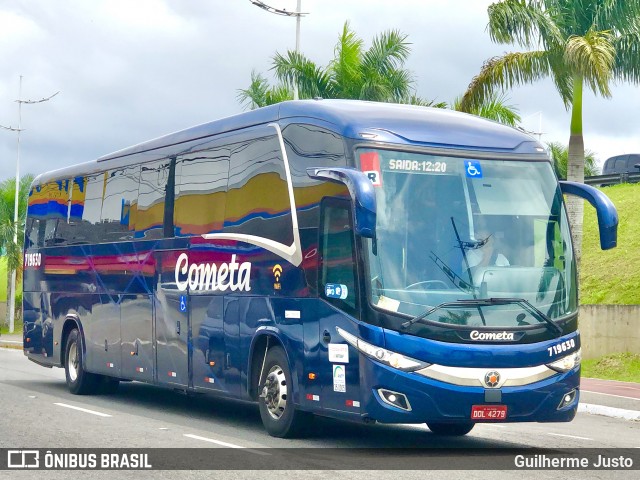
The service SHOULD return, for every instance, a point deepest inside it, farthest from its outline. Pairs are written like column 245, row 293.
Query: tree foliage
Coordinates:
column 576, row 43
column 11, row 250
column 377, row 74
column 494, row 107
column 560, row 155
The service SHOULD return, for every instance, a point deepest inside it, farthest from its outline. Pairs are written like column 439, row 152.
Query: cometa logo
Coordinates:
column 209, row 276
column 492, row 336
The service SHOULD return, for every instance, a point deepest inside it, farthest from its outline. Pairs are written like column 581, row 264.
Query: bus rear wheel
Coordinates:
column 79, row 381
column 278, row 413
column 451, row 429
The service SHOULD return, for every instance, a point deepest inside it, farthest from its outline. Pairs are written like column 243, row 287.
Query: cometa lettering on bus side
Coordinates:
column 506, row 336
column 209, row 276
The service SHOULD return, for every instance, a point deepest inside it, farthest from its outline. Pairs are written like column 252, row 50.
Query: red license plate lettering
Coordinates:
column 490, row 413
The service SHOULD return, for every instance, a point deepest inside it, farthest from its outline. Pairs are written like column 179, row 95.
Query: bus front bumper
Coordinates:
column 394, row 396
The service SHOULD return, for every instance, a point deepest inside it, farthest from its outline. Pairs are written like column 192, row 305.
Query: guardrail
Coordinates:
column 613, row 179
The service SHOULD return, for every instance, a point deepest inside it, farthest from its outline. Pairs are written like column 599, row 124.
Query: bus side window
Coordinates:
column 120, row 194
column 257, row 201
column 156, row 189
column 201, row 191
column 56, row 211
column 337, row 255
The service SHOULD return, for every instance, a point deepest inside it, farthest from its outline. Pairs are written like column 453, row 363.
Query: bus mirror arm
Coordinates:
column 606, row 210
column 362, row 195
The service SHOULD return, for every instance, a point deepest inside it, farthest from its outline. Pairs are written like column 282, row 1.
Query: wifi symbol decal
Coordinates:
column 277, row 273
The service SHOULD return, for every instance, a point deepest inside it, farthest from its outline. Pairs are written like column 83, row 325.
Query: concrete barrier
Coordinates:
column 606, row 329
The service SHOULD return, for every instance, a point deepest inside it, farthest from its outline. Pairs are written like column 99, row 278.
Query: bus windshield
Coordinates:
column 451, row 231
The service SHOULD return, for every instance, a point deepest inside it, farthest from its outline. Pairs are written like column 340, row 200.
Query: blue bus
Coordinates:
column 362, row 261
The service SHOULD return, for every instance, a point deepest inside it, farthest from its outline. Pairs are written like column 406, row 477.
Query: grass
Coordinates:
column 4, row 329
column 612, row 276
column 620, row 366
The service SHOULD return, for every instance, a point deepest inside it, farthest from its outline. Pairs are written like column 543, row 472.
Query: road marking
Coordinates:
column 569, row 436
column 224, row 444
column 11, row 341
column 100, row 414
column 612, row 395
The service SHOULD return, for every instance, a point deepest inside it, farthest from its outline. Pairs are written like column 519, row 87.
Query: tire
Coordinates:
column 451, row 429
column 278, row 413
column 79, row 381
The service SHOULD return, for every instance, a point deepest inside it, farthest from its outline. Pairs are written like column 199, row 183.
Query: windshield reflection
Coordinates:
column 452, row 229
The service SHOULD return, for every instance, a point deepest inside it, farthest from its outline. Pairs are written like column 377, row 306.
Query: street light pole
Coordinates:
column 20, row 101
column 298, row 13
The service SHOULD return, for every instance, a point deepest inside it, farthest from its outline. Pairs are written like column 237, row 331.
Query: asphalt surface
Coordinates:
column 39, row 412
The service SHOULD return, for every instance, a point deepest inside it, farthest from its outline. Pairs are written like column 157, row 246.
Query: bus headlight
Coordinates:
column 566, row 363
column 382, row 355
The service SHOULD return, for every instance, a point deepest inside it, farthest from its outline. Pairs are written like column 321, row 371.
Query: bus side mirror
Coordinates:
column 362, row 195
column 607, row 213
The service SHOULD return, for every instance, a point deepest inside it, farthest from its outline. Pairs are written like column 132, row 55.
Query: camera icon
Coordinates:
column 23, row 459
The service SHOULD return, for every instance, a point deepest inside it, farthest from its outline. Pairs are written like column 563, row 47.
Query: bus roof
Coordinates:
column 384, row 122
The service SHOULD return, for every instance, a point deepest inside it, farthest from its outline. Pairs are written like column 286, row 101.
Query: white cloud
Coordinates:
column 129, row 71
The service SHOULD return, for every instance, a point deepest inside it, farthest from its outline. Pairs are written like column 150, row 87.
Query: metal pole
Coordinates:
column 288, row 13
column 298, row 15
column 12, row 299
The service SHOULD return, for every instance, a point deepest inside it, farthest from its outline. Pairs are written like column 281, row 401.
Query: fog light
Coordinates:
column 395, row 399
column 568, row 398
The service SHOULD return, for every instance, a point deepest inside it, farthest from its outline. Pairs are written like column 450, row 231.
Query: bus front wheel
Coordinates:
column 278, row 413
column 451, row 429
column 79, row 381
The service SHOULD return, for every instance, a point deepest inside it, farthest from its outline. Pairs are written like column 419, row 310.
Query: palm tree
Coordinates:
column 575, row 43
column 376, row 74
column 260, row 93
column 8, row 227
column 560, row 155
column 494, row 107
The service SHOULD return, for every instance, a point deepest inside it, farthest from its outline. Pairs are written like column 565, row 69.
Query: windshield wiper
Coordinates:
column 408, row 323
column 483, row 302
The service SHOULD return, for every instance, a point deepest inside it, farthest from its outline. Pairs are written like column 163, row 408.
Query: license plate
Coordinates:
column 488, row 412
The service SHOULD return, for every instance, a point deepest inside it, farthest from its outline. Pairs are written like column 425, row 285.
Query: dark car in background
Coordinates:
column 627, row 163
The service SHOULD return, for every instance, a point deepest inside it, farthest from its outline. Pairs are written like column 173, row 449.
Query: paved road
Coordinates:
column 39, row 412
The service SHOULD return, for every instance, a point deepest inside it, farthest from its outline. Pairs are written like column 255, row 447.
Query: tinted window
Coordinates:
column 312, row 146
column 258, row 199
column 156, row 180
column 632, row 161
column 57, row 195
column 338, row 276
column 32, row 230
column 620, row 165
column 120, row 194
column 86, row 209
column 201, row 186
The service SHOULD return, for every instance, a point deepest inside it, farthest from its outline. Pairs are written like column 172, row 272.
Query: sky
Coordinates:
column 132, row 70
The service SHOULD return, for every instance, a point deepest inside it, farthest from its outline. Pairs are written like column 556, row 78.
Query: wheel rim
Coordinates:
column 274, row 392
column 72, row 362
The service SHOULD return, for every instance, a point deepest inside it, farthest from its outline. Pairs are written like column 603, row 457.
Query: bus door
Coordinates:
column 208, row 356
column 171, row 320
column 338, row 363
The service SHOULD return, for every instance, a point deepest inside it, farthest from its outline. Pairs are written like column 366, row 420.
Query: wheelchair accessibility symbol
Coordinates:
column 183, row 303
column 473, row 168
